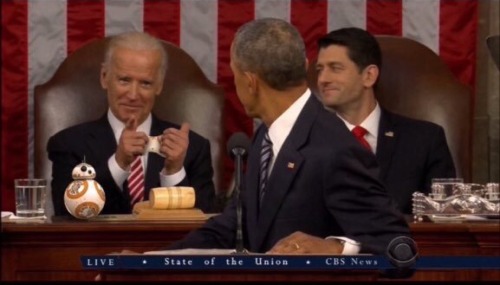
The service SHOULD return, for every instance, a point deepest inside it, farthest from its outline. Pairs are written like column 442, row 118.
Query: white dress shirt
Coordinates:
column 119, row 174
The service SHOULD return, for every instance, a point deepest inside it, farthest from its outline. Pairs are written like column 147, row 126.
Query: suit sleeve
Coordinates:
column 63, row 163
column 439, row 161
column 65, row 155
column 359, row 202
column 217, row 232
column 199, row 173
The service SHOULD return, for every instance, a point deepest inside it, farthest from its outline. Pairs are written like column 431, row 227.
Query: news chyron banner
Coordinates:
column 279, row 262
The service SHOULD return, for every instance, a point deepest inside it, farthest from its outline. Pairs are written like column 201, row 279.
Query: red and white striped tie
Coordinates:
column 136, row 181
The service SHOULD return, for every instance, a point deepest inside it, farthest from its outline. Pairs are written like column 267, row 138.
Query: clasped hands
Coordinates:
column 173, row 144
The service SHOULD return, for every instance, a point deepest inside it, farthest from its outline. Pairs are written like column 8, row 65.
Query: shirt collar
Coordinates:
column 281, row 127
column 117, row 126
column 370, row 124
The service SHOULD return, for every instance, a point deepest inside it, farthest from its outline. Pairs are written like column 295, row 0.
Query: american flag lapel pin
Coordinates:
column 291, row 165
column 389, row 134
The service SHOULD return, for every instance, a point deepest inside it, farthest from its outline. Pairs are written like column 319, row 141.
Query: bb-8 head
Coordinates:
column 84, row 197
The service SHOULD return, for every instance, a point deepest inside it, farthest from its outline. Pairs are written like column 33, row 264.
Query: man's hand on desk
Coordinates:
column 301, row 243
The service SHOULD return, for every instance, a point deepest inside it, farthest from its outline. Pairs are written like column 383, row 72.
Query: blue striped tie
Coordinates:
column 266, row 155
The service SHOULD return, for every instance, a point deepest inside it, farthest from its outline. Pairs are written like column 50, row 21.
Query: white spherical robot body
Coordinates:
column 84, row 197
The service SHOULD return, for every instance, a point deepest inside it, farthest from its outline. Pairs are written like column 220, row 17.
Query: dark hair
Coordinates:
column 363, row 49
column 273, row 49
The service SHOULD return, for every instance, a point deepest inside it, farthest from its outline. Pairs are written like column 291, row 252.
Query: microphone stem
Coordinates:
column 239, row 206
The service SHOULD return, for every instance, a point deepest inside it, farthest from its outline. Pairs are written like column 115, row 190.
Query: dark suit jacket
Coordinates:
column 410, row 153
column 323, row 183
column 95, row 142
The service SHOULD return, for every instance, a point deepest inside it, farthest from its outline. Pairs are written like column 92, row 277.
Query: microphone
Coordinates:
column 237, row 148
column 238, row 145
column 402, row 253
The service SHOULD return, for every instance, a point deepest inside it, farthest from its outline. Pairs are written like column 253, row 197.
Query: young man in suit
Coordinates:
column 410, row 152
column 132, row 73
column 319, row 192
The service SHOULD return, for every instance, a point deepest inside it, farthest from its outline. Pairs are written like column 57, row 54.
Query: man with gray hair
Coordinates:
column 132, row 74
column 309, row 187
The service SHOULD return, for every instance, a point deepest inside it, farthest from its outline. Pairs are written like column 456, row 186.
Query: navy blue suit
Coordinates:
column 323, row 183
column 96, row 142
column 410, row 153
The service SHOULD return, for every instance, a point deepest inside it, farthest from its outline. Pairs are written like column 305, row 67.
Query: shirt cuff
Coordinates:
column 351, row 247
column 119, row 175
column 173, row 179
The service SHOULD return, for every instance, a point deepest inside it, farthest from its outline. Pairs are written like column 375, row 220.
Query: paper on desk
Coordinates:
column 448, row 218
column 5, row 214
column 192, row 251
column 14, row 217
column 11, row 216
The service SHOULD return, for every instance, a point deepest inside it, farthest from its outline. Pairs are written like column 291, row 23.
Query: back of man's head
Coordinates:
column 274, row 50
column 363, row 48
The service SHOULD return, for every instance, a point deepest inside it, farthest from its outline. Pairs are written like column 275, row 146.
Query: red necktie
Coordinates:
column 136, row 181
column 359, row 133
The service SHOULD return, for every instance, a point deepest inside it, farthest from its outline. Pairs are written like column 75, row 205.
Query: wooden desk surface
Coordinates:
column 51, row 250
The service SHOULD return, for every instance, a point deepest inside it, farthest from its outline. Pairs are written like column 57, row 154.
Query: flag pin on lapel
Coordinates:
column 389, row 134
column 291, row 165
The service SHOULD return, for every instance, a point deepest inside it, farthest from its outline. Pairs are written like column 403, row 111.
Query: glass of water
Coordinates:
column 30, row 197
column 446, row 187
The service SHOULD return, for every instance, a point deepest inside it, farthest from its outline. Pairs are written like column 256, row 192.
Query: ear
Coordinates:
column 103, row 78
column 370, row 75
column 160, row 86
column 252, row 81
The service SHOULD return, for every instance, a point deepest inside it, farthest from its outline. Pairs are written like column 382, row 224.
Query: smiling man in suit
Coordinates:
column 132, row 73
column 410, row 152
column 309, row 186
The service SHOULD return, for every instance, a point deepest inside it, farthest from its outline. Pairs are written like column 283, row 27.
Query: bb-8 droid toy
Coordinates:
column 84, row 197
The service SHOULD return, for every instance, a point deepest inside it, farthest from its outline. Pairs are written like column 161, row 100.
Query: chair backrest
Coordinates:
column 493, row 43
column 74, row 95
column 415, row 82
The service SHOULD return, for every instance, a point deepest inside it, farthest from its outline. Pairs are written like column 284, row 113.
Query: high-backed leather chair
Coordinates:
column 493, row 43
column 74, row 95
column 415, row 82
